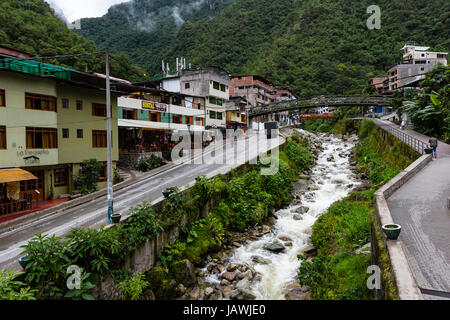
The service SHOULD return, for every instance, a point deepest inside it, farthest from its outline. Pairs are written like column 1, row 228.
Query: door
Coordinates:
column 30, row 186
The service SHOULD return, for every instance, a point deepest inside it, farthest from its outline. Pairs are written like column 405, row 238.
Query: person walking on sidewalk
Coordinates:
column 434, row 144
column 402, row 127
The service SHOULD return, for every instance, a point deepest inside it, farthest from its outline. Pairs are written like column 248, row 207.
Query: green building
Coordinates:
column 51, row 120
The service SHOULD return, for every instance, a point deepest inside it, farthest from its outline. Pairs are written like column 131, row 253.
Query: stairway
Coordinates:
column 125, row 174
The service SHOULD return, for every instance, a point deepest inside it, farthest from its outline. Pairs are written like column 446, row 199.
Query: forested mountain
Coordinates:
column 315, row 47
column 145, row 29
column 31, row 25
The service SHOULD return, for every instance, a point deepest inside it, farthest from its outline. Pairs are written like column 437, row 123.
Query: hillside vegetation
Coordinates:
column 31, row 25
column 315, row 47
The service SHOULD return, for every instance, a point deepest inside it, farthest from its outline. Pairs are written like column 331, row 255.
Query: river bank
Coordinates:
column 262, row 262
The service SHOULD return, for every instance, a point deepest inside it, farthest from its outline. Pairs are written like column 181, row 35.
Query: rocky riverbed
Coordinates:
column 262, row 262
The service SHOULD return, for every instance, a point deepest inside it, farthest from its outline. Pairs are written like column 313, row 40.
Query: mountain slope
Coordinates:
column 315, row 47
column 31, row 25
column 144, row 29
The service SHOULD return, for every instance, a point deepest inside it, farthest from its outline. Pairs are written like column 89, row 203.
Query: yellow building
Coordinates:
column 51, row 120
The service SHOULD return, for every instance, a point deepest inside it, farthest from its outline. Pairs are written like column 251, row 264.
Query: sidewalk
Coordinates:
column 420, row 207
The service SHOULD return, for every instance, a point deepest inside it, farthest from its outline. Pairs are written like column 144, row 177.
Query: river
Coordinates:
column 331, row 179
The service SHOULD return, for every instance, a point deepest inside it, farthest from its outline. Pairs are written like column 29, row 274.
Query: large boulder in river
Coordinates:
column 301, row 210
column 261, row 260
column 297, row 292
column 275, row 247
column 230, row 276
column 155, row 277
column 184, row 272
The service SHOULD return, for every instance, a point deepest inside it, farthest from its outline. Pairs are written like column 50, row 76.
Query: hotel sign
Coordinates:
column 153, row 106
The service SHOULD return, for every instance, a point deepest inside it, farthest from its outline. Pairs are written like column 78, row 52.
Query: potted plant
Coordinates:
column 24, row 261
column 392, row 231
column 168, row 191
column 116, row 217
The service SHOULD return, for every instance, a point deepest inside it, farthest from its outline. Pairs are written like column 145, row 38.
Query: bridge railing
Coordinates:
column 414, row 143
column 317, row 102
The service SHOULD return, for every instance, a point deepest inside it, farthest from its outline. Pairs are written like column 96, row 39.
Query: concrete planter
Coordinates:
column 116, row 217
column 23, row 261
column 392, row 231
column 167, row 192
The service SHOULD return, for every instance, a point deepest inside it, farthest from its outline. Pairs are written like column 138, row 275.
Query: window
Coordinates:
column 155, row 117
column 223, row 88
column 80, row 133
column 219, row 102
column 200, row 122
column 187, row 85
column 42, row 138
column 98, row 110
column 79, row 105
column 3, row 137
column 216, row 85
column 40, row 102
column 99, row 139
column 130, row 114
column 65, row 103
column 212, row 100
column 212, row 115
column 219, row 115
column 189, row 120
column 177, row 119
column 65, row 133
column 2, row 98
column 61, row 177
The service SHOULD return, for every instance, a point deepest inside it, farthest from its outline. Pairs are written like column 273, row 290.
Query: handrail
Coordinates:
column 409, row 140
column 336, row 101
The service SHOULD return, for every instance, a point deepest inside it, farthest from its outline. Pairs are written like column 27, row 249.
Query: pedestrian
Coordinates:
column 434, row 144
column 403, row 124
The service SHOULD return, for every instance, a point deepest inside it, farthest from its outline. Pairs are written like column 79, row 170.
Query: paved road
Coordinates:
column 93, row 213
column 420, row 206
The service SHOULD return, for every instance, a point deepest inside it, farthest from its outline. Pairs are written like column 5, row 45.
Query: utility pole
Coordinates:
column 109, row 142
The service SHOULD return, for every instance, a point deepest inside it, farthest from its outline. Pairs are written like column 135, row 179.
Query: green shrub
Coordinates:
column 299, row 156
column 151, row 163
column 49, row 261
column 12, row 289
column 86, row 181
column 142, row 224
column 133, row 288
column 96, row 250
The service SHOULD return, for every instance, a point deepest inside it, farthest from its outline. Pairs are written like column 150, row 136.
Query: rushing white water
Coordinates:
column 332, row 179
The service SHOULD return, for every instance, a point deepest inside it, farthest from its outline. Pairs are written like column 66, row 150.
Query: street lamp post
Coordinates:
column 109, row 142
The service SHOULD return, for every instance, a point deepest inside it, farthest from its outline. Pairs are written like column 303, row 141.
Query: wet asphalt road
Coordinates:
column 93, row 214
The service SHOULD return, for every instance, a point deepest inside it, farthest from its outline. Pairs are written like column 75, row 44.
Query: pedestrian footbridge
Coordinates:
column 333, row 101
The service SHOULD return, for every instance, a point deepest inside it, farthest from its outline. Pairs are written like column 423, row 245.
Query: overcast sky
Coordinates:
column 76, row 9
